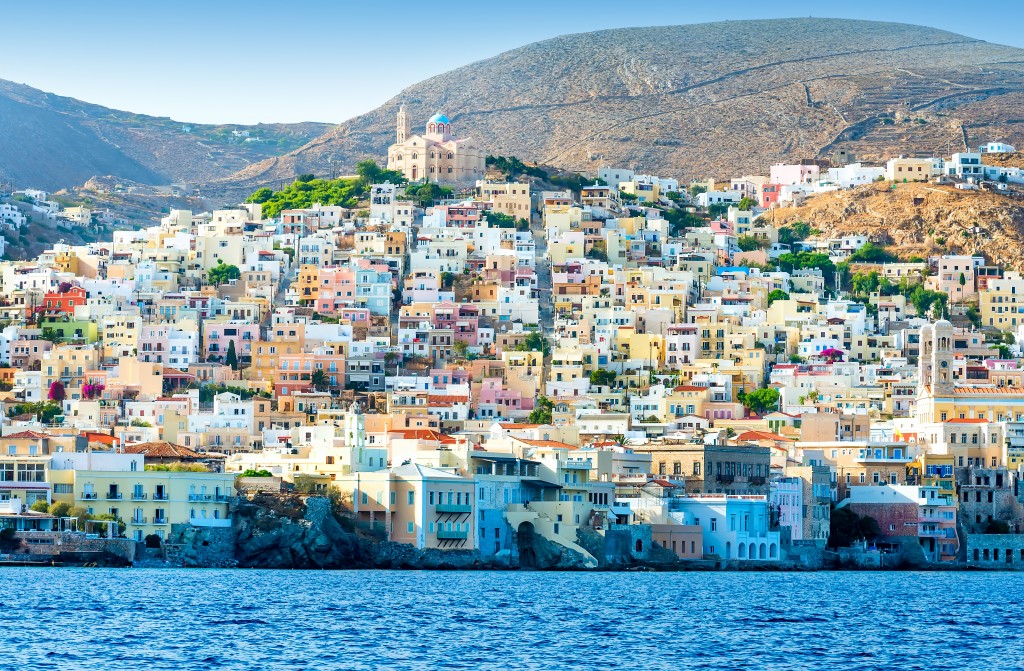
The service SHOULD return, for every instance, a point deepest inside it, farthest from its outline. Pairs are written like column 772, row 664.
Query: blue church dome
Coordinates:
column 439, row 118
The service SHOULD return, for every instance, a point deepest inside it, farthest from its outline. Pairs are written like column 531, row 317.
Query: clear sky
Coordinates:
column 328, row 60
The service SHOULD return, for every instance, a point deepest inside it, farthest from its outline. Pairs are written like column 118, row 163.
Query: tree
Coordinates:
column 696, row 189
column 460, row 348
column 760, row 401
column 871, row 253
column 777, row 295
column 500, row 219
column 231, row 358
column 846, row 526
column 541, row 414
column 747, row 243
column 40, row 506
column 57, row 393
column 371, row 173
column 253, row 473
column 60, row 509
column 534, row 342
column 222, row 273
column 49, row 333
column 602, row 377
column 319, row 380
column 746, row 204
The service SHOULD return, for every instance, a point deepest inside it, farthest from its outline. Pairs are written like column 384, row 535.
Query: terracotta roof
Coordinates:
column 163, row 450
column 661, row 483
column 975, row 391
column 547, row 443
column 427, row 434
column 32, row 435
column 513, row 425
column 762, row 435
column 442, row 400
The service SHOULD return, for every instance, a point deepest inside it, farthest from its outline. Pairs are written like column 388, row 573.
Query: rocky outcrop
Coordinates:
column 918, row 219
column 270, row 535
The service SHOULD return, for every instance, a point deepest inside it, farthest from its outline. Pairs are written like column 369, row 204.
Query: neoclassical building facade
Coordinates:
column 436, row 155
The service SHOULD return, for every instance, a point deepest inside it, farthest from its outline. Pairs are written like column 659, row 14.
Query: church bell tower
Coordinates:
column 402, row 133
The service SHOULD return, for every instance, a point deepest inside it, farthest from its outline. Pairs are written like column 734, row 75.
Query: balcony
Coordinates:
column 444, row 535
column 159, row 520
column 453, row 508
column 725, row 479
column 221, row 498
column 137, row 520
column 113, row 496
column 160, row 497
column 138, row 496
column 89, row 496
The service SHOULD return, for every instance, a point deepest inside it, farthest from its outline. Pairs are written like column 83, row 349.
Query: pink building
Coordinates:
column 682, row 345
column 789, row 174
column 336, row 290
column 462, row 318
column 217, row 335
column 494, row 401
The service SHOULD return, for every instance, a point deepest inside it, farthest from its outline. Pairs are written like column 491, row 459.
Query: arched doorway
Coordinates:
column 762, row 552
column 728, row 550
column 524, row 542
column 773, row 551
column 742, row 551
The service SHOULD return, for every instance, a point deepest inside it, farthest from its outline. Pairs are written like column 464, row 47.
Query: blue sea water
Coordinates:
column 151, row 620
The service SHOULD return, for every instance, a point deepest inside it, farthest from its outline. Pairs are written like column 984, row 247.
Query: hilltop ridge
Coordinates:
column 705, row 100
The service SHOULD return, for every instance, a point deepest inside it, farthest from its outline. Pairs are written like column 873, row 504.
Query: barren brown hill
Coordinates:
column 919, row 219
column 49, row 142
column 1014, row 160
column 714, row 99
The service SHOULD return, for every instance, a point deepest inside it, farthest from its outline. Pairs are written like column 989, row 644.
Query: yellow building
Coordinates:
column 422, row 506
column 511, row 198
column 1002, row 302
column 147, row 501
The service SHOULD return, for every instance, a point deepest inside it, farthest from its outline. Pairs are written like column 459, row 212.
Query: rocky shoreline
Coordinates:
column 307, row 534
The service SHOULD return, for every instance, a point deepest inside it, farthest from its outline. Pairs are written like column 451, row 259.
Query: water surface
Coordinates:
column 151, row 620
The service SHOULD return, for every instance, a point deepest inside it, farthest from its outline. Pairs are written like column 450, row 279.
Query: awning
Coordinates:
column 541, row 484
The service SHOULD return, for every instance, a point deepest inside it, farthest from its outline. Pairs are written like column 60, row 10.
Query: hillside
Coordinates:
column 50, row 142
column 919, row 220
column 703, row 100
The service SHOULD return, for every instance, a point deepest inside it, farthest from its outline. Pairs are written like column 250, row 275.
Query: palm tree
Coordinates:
column 319, row 380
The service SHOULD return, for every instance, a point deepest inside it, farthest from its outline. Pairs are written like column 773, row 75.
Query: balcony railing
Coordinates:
column 159, row 520
column 453, row 508
column 160, row 497
column 221, row 498
column 138, row 496
column 89, row 496
column 114, row 496
column 721, row 477
column 443, row 534
column 137, row 520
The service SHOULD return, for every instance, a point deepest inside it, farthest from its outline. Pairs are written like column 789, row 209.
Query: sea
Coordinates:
column 180, row 619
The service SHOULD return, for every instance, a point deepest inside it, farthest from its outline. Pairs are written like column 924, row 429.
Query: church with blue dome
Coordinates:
column 435, row 155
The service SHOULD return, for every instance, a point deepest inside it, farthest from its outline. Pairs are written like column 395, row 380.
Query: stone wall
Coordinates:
column 995, row 551
column 75, row 547
column 208, row 547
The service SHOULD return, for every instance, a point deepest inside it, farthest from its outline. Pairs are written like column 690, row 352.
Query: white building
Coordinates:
column 996, row 148
column 735, row 527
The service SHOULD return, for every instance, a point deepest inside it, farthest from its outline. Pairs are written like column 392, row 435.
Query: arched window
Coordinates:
column 415, row 156
column 431, row 154
column 431, row 128
column 450, row 156
column 398, row 157
column 449, row 170
column 431, row 169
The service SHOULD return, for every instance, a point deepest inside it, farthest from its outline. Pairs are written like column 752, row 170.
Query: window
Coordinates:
column 409, row 527
column 412, row 496
column 714, row 524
